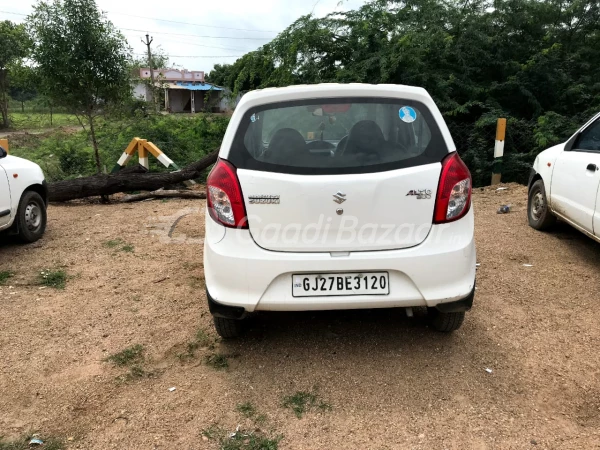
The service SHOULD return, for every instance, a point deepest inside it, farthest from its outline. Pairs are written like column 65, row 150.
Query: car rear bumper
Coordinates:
column 440, row 270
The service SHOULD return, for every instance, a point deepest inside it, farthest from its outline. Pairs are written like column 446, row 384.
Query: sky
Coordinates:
column 197, row 35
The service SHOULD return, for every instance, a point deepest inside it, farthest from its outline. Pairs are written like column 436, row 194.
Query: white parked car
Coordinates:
column 332, row 196
column 565, row 183
column 23, row 197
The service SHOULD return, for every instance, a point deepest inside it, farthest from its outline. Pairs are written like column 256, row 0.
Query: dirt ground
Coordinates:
column 391, row 382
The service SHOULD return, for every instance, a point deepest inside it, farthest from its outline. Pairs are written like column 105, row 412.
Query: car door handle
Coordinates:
column 592, row 167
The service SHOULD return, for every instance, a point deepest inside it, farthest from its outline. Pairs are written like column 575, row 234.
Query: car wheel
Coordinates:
column 446, row 322
column 31, row 217
column 228, row 328
column 539, row 215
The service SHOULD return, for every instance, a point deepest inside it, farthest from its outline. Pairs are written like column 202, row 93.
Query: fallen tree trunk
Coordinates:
column 161, row 193
column 128, row 179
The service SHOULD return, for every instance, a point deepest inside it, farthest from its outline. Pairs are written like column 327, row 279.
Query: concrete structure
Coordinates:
column 172, row 75
column 186, row 96
column 184, row 91
column 142, row 91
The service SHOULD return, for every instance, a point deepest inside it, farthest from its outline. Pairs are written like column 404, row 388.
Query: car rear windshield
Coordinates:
column 337, row 136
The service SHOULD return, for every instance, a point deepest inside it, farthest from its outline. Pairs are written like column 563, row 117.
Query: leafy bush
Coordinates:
column 183, row 138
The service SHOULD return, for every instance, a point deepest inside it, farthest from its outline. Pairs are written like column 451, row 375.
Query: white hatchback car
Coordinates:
column 23, row 198
column 338, row 196
column 565, row 183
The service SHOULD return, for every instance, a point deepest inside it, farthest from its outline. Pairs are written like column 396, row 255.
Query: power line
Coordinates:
column 182, row 42
column 199, row 35
column 177, row 41
column 194, row 24
column 196, row 56
column 168, row 40
column 13, row 13
column 179, row 34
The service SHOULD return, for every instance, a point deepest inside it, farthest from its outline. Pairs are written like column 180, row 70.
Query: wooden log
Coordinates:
column 138, row 168
column 161, row 193
column 125, row 180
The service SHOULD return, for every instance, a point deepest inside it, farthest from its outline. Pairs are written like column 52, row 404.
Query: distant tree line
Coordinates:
column 69, row 53
column 535, row 62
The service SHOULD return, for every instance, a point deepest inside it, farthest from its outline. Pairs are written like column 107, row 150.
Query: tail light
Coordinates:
column 224, row 196
column 453, row 199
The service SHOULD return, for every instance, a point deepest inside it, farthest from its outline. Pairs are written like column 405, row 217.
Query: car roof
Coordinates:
column 306, row 91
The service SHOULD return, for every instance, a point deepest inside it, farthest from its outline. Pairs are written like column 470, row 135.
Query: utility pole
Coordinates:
column 147, row 43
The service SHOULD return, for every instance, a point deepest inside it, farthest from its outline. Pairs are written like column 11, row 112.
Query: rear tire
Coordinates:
column 446, row 322
column 31, row 217
column 228, row 328
column 539, row 214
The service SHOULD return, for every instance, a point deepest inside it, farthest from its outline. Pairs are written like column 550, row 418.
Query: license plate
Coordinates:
column 329, row 284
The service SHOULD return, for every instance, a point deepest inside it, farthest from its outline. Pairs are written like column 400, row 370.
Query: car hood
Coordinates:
column 553, row 152
column 549, row 155
column 14, row 162
column 30, row 170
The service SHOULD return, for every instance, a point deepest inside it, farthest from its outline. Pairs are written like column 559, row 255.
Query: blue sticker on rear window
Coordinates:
column 253, row 118
column 407, row 114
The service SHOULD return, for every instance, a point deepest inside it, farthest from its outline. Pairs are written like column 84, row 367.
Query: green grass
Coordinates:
column 68, row 154
column 249, row 441
column 260, row 419
column 247, row 409
column 303, row 401
column 217, row 361
column 131, row 355
column 53, row 278
column 36, row 121
column 135, row 373
column 201, row 339
column 112, row 243
column 5, row 275
column 119, row 245
column 23, row 443
column 241, row 439
column 212, row 432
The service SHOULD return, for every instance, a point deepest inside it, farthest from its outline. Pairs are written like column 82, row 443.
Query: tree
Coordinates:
column 22, row 83
column 532, row 61
column 14, row 46
column 83, row 60
column 221, row 75
column 159, row 61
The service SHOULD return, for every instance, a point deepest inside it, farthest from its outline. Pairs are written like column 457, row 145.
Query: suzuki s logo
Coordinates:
column 421, row 194
column 339, row 197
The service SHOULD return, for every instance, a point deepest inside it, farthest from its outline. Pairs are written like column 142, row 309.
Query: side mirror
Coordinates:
column 3, row 152
column 571, row 142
